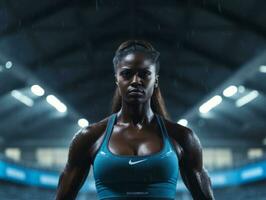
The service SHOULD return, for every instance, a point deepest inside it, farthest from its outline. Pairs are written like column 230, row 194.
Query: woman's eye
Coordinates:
column 125, row 73
column 128, row 74
column 145, row 73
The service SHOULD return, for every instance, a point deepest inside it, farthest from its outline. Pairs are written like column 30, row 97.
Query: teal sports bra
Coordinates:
column 127, row 177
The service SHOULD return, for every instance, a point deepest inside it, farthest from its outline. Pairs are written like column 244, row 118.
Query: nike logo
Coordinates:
column 135, row 162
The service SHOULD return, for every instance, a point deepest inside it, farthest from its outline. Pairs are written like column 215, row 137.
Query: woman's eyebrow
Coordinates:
column 148, row 68
column 125, row 67
column 129, row 68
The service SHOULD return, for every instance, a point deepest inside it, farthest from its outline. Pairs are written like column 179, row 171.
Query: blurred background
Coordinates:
column 56, row 76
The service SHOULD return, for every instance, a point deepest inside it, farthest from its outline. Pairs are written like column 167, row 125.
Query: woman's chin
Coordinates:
column 135, row 99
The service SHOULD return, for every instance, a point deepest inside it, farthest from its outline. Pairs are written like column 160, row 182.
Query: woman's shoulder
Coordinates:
column 92, row 131
column 96, row 127
column 183, row 135
column 82, row 142
column 86, row 137
column 174, row 129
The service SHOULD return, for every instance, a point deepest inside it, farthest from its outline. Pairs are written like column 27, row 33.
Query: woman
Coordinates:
column 137, row 152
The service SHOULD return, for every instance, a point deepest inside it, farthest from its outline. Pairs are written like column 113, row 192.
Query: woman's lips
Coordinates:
column 135, row 92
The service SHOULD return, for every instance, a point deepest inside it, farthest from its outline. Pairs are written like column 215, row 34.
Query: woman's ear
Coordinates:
column 156, row 81
column 116, row 80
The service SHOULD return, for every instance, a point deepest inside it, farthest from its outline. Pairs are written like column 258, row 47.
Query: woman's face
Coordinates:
column 136, row 77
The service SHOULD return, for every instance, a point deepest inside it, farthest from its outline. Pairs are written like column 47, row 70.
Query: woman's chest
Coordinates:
column 134, row 142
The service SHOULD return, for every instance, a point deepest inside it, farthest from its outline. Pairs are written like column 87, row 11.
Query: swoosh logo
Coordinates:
column 135, row 162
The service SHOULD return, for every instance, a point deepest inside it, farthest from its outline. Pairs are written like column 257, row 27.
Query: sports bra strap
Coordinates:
column 111, row 122
column 162, row 126
column 108, row 130
column 165, row 132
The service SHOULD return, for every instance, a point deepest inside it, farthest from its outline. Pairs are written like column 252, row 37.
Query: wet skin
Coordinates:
column 136, row 133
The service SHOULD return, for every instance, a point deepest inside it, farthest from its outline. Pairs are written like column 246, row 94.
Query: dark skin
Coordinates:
column 135, row 133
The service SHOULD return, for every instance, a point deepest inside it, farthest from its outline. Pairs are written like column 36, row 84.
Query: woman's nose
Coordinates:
column 136, row 79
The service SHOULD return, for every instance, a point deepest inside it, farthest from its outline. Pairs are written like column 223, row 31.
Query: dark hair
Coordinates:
column 157, row 101
column 133, row 46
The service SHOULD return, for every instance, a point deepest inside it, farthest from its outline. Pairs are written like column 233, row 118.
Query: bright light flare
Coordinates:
column 210, row 104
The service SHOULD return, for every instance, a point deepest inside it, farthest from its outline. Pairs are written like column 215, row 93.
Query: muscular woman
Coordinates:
column 137, row 152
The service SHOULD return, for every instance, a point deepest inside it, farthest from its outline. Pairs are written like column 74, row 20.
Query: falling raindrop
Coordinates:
column 201, row 123
column 19, row 22
column 192, row 32
column 187, row 35
column 159, row 26
column 96, row 5
column 220, row 6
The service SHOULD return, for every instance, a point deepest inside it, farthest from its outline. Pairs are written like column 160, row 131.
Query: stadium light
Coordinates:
column 230, row 91
column 264, row 141
column 247, row 98
column 83, row 123
column 9, row 64
column 263, row 68
column 52, row 100
column 22, row 98
column 241, row 89
column 37, row 90
column 183, row 122
column 210, row 104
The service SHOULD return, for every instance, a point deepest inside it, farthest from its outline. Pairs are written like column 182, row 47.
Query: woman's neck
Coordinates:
column 135, row 113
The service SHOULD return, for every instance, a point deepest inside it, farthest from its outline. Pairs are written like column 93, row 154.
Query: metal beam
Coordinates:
column 232, row 17
column 24, row 22
column 175, row 32
column 254, row 85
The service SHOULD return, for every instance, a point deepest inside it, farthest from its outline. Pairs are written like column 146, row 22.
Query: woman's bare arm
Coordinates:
column 76, row 169
column 192, row 171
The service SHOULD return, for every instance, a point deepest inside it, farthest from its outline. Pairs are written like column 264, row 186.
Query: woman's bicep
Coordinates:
column 192, row 170
column 76, row 169
column 70, row 182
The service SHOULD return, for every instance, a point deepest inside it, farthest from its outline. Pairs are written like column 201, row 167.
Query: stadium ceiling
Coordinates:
column 67, row 47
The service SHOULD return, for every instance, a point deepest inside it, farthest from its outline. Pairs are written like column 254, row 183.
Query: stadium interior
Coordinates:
column 56, row 77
